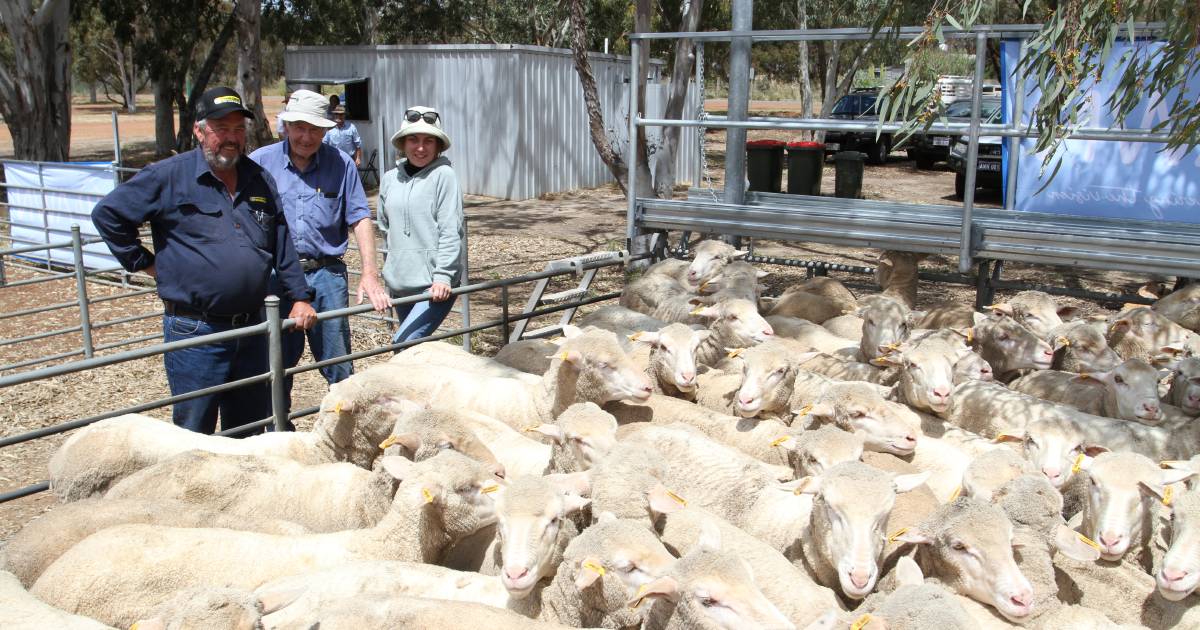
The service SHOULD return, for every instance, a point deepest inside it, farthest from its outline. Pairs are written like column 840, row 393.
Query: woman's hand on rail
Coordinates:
column 439, row 291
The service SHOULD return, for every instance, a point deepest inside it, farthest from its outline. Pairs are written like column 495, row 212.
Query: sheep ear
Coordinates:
column 1152, row 489
column 663, row 501
column 822, row 410
column 663, row 588
column 1074, row 545
column 1011, row 435
column 578, row 483
column 913, row 536
column 807, row 485
column 590, row 569
column 1002, row 308
column 1066, row 311
column 905, row 483
column 699, row 336
column 154, row 623
column 1098, row 377
column 1092, row 450
column 908, row 573
column 647, row 337
column 704, row 311
column 1176, row 475
column 570, row 356
column 570, row 331
column 573, row 503
column 397, row 467
column 741, row 253
column 410, row 441
column 978, row 318
column 552, row 431
column 710, row 536
column 399, row 406
column 337, row 403
column 273, row 601
column 895, row 358
column 765, row 303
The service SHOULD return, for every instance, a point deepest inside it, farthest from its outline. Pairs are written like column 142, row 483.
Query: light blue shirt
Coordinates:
column 344, row 137
column 320, row 203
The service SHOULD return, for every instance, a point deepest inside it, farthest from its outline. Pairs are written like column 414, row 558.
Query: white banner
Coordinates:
column 40, row 215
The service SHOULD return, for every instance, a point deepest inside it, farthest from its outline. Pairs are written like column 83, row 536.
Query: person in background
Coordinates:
column 218, row 229
column 334, row 102
column 344, row 136
column 280, row 129
column 323, row 201
column 420, row 210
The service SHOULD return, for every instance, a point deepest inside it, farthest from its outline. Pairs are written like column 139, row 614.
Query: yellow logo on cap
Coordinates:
column 228, row 99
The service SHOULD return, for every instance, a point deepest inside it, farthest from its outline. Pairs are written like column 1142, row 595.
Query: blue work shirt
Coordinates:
column 212, row 253
column 322, row 202
column 345, row 138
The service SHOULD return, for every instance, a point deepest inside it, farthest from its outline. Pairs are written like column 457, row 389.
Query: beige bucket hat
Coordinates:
column 307, row 106
column 424, row 120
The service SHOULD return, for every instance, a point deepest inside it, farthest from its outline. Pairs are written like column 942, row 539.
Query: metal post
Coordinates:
column 466, row 297
column 116, row 145
column 635, row 49
column 964, row 247
column 45, row 214
column 504, row 339
column 85, row 319
column 275, row 355
column 1014, row 142
column 739, row 103
column 696, row 181
column 384, row 152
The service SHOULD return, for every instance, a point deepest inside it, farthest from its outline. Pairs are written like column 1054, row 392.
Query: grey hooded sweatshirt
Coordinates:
column 422, row 216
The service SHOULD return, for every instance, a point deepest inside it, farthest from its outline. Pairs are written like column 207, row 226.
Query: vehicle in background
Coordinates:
column 928, row 148
column 988, row 166
column 859, row 105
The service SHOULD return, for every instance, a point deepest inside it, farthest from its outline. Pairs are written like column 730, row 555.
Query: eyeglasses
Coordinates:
column 413, row 116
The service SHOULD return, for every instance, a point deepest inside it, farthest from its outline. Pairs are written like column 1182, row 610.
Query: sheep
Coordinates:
column 967, row 546
column 943, row 450
column 1140, row 333
column 449, row 355
column 671, row 359
column 1128, row 392
column 991, row 470
column 825, row 447
column 41, row 541
column 388, row 611
column 351, row 424
column 527, row 355
column 858, row 498
column 517, row 452
column 886, row 323
column 812, row 337
column 1008, row 346
column 845, row 326
column 1119, row 513
column 591, row 367
column 709, row 587
column 581, row 436
column 1080, row 347
column 439, row 500
column 737, row 280
column 896, row 274
column 22, row 611
column 764, row 386
column 972, row 367
column 627, row 484
column 1180, row 305
column 1179, row 572
column 946, row 315
column 859, row 408
column 1034, row 310
column 423, row 431
column 323, row 498
column 787, row 587
column 913, row 605
column 709, row 258
column 620, row 320
column 734, row 324
column 727, row 480
column 843, row 368
column 1184, row 392
column 926, row 371
column 816, row 300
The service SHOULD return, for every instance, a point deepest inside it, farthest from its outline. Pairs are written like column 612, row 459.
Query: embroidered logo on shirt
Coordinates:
column 258, row 199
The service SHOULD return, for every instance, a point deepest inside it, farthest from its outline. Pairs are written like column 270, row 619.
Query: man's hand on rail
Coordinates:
column 369, row 288
column 304, row 315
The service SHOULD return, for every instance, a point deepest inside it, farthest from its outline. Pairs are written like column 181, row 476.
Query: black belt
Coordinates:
column 181, row 310
column 311, row 264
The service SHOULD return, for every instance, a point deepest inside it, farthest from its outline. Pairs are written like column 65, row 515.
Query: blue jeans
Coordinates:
column 329, row 338
column 420, row 319
column 195, row 368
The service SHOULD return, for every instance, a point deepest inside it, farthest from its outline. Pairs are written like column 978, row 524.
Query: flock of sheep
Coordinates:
column 697, row 457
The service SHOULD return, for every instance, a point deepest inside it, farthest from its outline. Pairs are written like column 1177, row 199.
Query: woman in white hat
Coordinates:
column 420, row 210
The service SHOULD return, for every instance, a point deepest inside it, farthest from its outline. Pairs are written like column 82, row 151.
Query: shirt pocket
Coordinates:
column 259, row 228
column 202, row 222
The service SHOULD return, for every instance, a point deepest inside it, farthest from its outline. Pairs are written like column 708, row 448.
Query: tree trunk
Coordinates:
column 370, row 23
column 164, row 115
column 184, row 140
column 831, row 74
column 35, row 88
column 591, row 97
column 249, row 83
column 128, row 75
column 681, row 72
column 641, row 24
column 806, row 94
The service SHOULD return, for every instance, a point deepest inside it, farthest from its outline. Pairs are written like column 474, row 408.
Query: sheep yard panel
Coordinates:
column 515, row 114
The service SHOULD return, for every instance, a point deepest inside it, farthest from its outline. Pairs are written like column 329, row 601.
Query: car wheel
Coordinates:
column 877, row 153
column 960, row 185
column 924, row 162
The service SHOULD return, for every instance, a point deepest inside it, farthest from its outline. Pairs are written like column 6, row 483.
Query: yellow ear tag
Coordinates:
column 678, row 499
column 697, row 311
column 734, row 353
column 134, row 626
column 1088, row 541
column 561, row 355
column 391, row 439
column 1171, row 463
column 427, row 494
column 892, row 346
column 634, row 336
column 338, row 407
column 879, row 361
column 1078, row 462
column 957, row 491
column 1084, row 375
column 861, row 622
column 1000, row 437
column 1168, row 493
column 1064, row 342
column 594, row 567
column 490, row 489
column 532, row 427
column 638, row 598
column 804, row 410
column 896, row 534
column 780, row 440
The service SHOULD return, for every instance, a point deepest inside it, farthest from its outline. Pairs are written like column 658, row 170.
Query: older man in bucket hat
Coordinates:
column 219, row 233
column 323, row 200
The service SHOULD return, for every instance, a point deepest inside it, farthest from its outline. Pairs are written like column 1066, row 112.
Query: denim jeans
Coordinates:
column 420, row 319
column 198, row 367
column 329, row 338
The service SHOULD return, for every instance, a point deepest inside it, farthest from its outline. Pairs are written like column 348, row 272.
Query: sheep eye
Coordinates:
column 732, row 318
column 446, row 446
column 602, row 365
column 858, row 414
column 1119, row 380
column 708, row 602
column 1003, row 337
column 958, row 546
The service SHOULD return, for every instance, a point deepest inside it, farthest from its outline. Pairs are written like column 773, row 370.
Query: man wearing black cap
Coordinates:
column 218, row 230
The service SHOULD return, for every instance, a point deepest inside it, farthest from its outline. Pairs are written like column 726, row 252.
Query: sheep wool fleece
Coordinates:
column 422, row 215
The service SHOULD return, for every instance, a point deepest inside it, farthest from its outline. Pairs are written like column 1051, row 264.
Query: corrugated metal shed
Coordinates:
column 515, row 114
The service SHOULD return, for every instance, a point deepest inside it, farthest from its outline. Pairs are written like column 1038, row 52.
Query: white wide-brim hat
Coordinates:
column 307, row 106
column 420, row 126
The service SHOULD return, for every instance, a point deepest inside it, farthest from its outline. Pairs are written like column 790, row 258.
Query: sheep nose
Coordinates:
column 860, row 577
column 768, row 331
column 1021, row 600
column 1151, row 409
column 515, row 573
column 498, row 470
column 1173, row 575
column 910, row 439
column 687, row 377
column 745, row 401
column 1109, row 539
column 1051, row 473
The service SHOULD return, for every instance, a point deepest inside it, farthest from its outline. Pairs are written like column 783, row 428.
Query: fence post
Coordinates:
column 275, row 353
column 85, row 319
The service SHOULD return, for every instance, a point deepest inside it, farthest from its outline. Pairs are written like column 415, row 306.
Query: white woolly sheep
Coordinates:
column 1080, row 347
column 896, row 274
column 1181, row 306
column 858, row 408
column 804, row 303
column 389, row 611
column 811, row 337
column 926, row 370
column 708, row 259
column 886, row 323
column 670, row 360
column 845, row 326
column 423, row 431
column 1141, row 333
column 1179, row 574
column 439, row 501
column 1034, row 310
column 620, row 320
column 991, row 470
column 1185, row 386
column 531, row 356
column 734, row 324
column 627, row 484
column 738, row 280
column 913, row 605
column 1008, row 346
column 22, row 611
column 454, row 356
column 1128, row 392
column 581, row 436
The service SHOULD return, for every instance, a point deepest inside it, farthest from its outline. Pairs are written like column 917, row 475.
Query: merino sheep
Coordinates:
column 453, row 356
column 816, row 300
column 517, row 453
column 1036, row 311
column 354, row 418
column 991, row 470
column 1128, row 392
column 671, row 360
column 581, row 436
column 913, row 605
column 1008, row 346
column 1179, row 573
column 439, row 500
column 28, row 552
column 845, row 326
column 22, row 611
column 627, row 484
column 532, row 356
column 1081, row 347
column 1140, row 333
column 425, row 431
column 1184, row 392
column 738, row 280
column 1181, row 306
column 825, row 447
column 388, row 612
column 926, row 371
column 811, row 337
column 709, row 258
column 886, row 323
column 620, row 320
column 896, row 274
column 734, row 324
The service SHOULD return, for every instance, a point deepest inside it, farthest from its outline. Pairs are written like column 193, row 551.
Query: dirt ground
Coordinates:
column 506, row 239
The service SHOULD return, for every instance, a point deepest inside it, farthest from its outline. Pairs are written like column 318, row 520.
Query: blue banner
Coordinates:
column 1103, row 178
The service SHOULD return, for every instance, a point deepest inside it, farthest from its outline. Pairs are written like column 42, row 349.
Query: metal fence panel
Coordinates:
column 45, row 199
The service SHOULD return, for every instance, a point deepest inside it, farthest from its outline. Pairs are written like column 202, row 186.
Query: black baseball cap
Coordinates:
column 219, row 102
